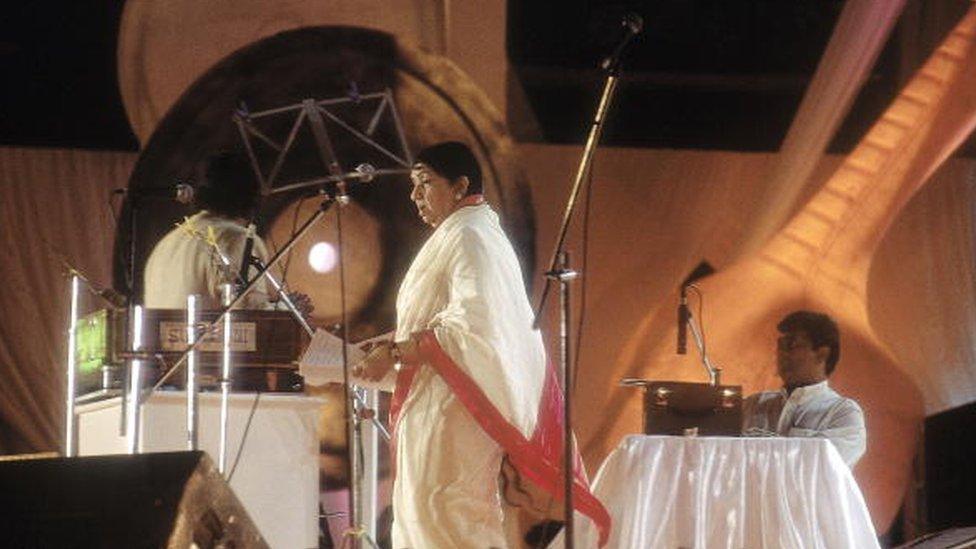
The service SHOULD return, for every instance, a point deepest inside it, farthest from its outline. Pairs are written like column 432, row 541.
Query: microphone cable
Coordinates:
column 247, row 429
column 585, row 247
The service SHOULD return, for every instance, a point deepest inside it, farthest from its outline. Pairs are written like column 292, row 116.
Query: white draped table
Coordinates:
column 715, row 492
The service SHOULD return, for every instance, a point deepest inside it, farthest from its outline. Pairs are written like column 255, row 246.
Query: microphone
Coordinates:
column 683, row 315
column 181, row 192
column 634, row 25
column 112, row 297
column 246, row 256
column 364, row 172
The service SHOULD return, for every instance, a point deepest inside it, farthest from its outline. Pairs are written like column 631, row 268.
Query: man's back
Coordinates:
column 183, row 262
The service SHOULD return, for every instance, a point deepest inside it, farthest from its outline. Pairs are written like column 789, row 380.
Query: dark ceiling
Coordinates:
column 60, row 85
column 705, row 74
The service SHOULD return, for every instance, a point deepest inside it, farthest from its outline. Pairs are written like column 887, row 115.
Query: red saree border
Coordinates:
column 538, row 459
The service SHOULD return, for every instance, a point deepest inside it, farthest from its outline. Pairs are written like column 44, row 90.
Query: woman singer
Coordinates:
column 472, row 381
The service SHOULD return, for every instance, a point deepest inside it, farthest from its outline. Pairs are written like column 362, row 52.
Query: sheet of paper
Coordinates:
column 322, row 361
column 325, row 349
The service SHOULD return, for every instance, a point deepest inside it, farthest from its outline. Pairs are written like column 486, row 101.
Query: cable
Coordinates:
column 585, row 252
column 247, row 429
column 294, row 226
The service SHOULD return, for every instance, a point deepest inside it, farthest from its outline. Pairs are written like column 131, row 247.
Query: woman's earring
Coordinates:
column 457, row 196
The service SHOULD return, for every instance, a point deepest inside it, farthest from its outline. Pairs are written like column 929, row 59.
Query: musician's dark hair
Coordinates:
column 453, row 159
column 820, row 328
column 227, row 186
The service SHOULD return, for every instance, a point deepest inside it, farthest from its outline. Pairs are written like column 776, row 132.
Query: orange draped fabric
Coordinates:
column 859, row 35
column 920, row 288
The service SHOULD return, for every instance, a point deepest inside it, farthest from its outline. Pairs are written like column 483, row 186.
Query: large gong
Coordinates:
column 435, row 102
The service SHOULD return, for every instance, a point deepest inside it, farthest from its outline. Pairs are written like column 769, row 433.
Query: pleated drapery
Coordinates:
column 54, row 211
column 859, row 35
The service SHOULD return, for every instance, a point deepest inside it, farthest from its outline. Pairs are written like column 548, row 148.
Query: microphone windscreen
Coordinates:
column 634, row 23
column 184, row 193
column 366, row 172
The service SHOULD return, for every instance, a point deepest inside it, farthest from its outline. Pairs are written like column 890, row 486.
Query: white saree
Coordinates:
column 483, row 389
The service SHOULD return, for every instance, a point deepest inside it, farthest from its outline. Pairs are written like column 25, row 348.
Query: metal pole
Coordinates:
column 370, row 445
column 596, row 129
column 360, row 400
column 283, row 295
column 192, row 402
column 563, row 274
column 401, row 135
column 225, row 381
column 133, row 403
column 714, row 372
column 353, row 427
column 558, row 264
column 71, row 385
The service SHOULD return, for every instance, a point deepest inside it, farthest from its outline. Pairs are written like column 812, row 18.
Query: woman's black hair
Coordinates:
column 229, row 187
column 453, row 159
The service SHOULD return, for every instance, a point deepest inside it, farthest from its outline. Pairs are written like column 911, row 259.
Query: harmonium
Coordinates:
column 264, row 347
column 682, row 408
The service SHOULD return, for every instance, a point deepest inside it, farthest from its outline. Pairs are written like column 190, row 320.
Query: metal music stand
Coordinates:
column 313, row 114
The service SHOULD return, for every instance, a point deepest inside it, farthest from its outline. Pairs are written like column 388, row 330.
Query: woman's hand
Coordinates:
column 377, row 363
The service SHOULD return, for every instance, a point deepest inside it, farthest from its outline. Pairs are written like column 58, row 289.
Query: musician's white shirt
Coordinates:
column 184, row 263
column 812, row 411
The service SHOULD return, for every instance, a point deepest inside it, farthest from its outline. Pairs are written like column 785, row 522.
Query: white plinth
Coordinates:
column 277, row 475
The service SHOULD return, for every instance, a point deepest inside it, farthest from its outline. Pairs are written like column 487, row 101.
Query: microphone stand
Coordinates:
column 361, row 404
column 357, row 532
column 559, row 271
column 132, row 309
column 714, row 372
column 314, row 112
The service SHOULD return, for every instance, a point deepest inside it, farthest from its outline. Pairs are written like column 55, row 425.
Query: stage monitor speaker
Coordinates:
column 950, row 478
column 171, row 500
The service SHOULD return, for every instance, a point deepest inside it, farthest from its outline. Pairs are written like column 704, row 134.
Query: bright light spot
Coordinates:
column 322, row 257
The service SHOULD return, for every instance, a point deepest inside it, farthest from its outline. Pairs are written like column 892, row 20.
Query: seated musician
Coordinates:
column 187, row 259
column 807, row 351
